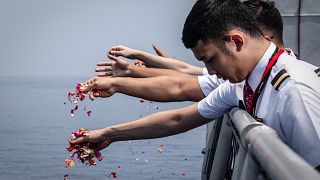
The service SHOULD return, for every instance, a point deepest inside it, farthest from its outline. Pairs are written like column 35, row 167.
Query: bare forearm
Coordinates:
column 142, row 72
column 161, row 89
column 157, row 125
column 168, row 63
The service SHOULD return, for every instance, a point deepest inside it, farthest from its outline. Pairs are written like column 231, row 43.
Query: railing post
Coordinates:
column 221, row 156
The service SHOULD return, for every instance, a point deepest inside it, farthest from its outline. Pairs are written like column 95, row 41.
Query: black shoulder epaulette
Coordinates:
column 317, row 71
column 279, row 78
column 241, row 105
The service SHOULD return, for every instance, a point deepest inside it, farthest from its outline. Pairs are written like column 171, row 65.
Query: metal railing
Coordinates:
column 261, row 153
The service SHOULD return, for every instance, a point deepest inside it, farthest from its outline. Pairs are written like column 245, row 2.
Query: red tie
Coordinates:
column 247, row 95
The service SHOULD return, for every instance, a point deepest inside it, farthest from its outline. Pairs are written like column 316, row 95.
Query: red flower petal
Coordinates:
column 114, row 174
column 77, row 134
column 89, row 113
column 70, row 94
column 72, row 112
column 78, row 87
column 70, row 148
column 92, row 163
column 82, row 96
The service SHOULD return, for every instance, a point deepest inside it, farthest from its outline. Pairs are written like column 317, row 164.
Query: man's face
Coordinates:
column 216, row 61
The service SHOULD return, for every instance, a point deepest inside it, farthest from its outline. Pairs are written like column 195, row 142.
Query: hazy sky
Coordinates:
column 67, row 38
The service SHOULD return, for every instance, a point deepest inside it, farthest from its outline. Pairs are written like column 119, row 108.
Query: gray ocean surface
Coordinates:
column 35, row 124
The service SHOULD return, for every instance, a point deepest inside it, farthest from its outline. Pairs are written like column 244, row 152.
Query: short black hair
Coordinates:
column 267, row 16
column 210, row 20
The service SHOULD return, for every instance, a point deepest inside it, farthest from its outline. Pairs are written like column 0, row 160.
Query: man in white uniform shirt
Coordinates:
column 182, row 86
column 225, row 36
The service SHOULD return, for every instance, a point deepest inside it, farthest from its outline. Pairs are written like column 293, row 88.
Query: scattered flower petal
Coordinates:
column 71, row 148
column 92, row 163
column 114, row 174
column 89, row 113
column 65, row 177
column 69, row 162
column 72, row 112
column 160, row 150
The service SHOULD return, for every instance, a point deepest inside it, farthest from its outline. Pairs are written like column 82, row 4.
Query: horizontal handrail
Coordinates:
column 264, row 145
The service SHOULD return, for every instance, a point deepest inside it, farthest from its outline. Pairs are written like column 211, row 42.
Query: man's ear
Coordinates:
column 267, row 38
column 237, row 40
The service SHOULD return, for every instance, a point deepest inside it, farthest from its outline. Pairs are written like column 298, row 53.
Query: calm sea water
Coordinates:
column 35, row 123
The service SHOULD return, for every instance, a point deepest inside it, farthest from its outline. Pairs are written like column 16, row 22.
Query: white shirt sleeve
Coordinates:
column 219, row 101
column 299, row 119
column 298, row 110
column 209, row 83
column 205, row 71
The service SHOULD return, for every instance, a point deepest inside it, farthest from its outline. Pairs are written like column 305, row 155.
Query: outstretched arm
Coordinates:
column 161, row 89
column 157, row 125
column 156, row 61
column 120, row 68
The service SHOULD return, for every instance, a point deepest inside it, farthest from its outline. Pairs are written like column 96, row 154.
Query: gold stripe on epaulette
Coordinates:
column 317, row 71
column 279, row 78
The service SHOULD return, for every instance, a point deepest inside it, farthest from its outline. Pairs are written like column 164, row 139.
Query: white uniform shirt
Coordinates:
column 209, row 82
column 293, row 110
column 205, row 71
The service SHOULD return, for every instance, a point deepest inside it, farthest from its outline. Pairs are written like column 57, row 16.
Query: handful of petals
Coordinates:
column 74, row 98
column 83, row 152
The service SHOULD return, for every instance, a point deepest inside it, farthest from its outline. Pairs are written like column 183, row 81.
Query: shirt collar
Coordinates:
column 290, row 52
column 256, row 74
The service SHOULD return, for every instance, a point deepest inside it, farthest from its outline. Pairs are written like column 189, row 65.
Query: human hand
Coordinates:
column 96, row 138
column 158, row 50
column 124, row 52
column 116, row 68
column 98, row 87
